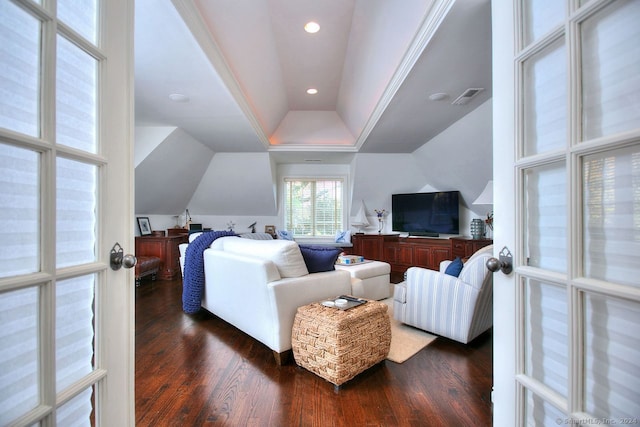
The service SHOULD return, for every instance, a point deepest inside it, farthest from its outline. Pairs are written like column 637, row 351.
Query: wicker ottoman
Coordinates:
column 339, row 344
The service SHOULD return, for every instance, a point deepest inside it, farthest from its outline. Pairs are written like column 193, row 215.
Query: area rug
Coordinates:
column 406, row 341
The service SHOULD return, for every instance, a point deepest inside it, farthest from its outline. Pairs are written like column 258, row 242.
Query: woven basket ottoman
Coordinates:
column 339, row 344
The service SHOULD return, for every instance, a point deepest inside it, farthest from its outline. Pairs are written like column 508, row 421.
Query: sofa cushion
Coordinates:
column 319, row 258
column 285, row 254
column 454, row 268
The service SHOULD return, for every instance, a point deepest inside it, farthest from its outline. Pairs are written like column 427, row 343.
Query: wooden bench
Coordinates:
column 147, row 266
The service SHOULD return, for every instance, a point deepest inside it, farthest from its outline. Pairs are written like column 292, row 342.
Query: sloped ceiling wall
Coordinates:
column 182, row 173
column 236, row 184
column 377, row 176
column 167, row 177
column 460, row 158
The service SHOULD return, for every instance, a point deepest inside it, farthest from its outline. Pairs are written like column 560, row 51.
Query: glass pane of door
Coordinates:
column 540, row 17
column 19, row 216
column 611, row 215
column 546, row 335
column 81, row 15
column 611, row 70
column 545, row 217
column 76, row 213
column 545, row 94
column 19, row 348
column 612, row 357
column 78, row 411
column 76, row 98
column 74, row 329
column 19, row 70
column 540, row 413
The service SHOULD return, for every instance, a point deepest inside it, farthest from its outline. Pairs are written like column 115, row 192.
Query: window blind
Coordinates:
column 546, row 217
column 611, row 198
column 313, row 207
column 610, row 91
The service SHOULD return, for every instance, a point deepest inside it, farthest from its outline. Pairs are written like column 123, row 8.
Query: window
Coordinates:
column 313, row 206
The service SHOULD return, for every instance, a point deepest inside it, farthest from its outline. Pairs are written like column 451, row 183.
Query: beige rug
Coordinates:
column 406, row 341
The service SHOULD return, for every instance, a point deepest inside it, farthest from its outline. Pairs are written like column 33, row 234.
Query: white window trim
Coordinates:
column 346, row 202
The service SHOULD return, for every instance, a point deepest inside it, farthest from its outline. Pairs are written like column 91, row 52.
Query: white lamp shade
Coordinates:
column 486, row 197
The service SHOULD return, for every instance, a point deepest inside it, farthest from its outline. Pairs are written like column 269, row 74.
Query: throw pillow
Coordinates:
column 454, row 268
column 285, row 235
column 343, row 236
column 284, row 254
column 319, row 258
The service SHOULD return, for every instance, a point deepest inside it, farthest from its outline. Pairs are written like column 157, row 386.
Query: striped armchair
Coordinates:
column 460, row 308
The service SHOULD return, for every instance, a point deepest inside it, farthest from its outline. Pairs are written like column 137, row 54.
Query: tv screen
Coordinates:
column 426, row 214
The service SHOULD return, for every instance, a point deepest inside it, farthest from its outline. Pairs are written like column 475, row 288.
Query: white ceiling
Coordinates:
column 245, row 66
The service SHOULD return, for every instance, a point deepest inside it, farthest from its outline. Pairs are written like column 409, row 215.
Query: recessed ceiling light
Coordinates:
column 312, row 27
column 438, row 96
column 178, row 97
column 312, row 91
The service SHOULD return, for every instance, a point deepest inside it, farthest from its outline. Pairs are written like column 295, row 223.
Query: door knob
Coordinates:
column 503, row 263
column 119, row 259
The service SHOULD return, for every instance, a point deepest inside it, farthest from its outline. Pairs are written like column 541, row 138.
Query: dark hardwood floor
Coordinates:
column 194, row 370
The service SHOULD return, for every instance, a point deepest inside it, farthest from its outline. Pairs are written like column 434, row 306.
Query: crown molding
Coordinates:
column 430, row 25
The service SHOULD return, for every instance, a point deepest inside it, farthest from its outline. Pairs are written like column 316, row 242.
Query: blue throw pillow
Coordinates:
column 343, row 236
column 319, row 258
column 285, row 235
column 454, row 268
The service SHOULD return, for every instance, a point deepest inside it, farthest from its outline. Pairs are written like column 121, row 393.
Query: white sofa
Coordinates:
column 257, row 286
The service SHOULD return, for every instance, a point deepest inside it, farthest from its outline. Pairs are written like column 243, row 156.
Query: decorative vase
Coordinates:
column 477, row 228
column 380, row 215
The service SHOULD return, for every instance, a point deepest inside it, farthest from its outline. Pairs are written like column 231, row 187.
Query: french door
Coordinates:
column 567, row 152
column 66, row 335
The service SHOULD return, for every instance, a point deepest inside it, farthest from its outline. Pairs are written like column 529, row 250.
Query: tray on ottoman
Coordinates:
column 338, row 344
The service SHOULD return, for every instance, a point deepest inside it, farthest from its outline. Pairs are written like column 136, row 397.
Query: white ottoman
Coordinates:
column 369, row 279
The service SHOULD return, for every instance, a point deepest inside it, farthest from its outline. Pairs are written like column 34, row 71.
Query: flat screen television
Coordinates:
column 426, row 214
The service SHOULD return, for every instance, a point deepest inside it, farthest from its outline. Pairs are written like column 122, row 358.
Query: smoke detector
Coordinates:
column 467, row 95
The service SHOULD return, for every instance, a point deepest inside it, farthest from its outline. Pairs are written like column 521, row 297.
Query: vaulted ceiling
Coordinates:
column 239, row 71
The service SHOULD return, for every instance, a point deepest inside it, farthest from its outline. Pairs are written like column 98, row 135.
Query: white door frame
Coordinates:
column 504, row 286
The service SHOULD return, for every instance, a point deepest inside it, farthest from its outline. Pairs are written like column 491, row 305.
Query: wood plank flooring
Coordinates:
column 197, row 370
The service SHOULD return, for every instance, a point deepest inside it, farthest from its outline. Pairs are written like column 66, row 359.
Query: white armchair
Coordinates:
column 460, row 308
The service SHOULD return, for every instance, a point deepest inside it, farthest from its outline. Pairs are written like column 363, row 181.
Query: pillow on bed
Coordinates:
column 320, row 258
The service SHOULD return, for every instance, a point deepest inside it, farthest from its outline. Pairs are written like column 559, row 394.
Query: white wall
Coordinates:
column 166, row 178
column 147, row 139
column 236, row 183
column 244, row 187
column 461, row 157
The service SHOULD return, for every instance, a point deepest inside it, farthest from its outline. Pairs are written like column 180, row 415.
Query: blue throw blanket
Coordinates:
column 193, row 280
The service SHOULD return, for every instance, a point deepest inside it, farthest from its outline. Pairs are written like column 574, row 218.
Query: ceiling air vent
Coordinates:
column 467, row 95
